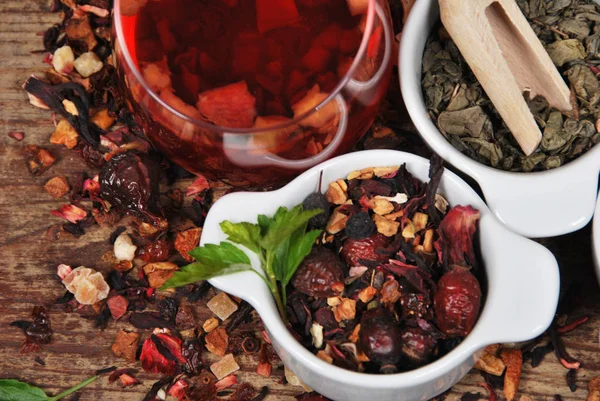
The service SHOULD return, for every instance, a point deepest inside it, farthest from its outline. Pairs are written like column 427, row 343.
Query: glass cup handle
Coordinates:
column 247, row 160
column 358, row 86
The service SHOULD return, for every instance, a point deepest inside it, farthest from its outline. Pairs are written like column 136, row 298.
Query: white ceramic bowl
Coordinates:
column 540, row 204
column 596, row 239
column 521, row 296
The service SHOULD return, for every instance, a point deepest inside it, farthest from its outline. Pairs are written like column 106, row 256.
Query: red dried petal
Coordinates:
column 456, row 236
column 153, row 361
column 199, row 185
column 226, row 382
column 117, row 306
column 275, row 14
column 127, row 380
column 18, row 136
column 177, row 390
column 70, row 212
column 173, row 344
column 264, row 369
column 229, row 106
column 92, row 187
column 374, row 42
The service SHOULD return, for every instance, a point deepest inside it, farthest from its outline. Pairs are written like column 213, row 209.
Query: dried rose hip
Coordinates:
column 417, row 345
column 157, row 251
column 456, row 302
column 320, row 274
column 380, row 336
column 129, row 181
column 371, row 248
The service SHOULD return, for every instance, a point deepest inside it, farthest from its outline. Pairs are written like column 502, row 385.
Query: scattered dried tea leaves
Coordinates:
column 37, row 332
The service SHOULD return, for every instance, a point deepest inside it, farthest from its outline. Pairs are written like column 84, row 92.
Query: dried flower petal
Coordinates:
column 17, row 135
column 226, row 382
column 63, row 271
column 70, row 212
column 199, row 185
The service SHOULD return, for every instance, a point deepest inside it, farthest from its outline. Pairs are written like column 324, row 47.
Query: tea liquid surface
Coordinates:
column 280, row 48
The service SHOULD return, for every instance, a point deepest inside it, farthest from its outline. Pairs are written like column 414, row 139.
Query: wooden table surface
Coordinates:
column 28, row 260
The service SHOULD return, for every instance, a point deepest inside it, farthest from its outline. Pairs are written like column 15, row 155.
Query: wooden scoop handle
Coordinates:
column 508, row 59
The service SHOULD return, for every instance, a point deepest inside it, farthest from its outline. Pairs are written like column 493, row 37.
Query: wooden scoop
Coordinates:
column 508, row 60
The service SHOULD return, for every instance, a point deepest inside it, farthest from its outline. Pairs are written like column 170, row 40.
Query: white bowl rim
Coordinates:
column 471, row 343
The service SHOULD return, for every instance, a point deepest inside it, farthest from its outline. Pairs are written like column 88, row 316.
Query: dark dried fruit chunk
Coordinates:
column 456, row 302
column 371, row 248
column 129, row 181
column 320, row 274
column 168, row 308
column 417, row 345
column 317, row 200
column 380, row 336
column 157, row 251
column 359, row 226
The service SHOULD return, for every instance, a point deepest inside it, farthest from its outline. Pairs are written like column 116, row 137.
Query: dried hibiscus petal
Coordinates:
column 199, row 185
column 456, row 236
column 37, row 332
column 153, row 361
column 117, row 306
column 70, row 212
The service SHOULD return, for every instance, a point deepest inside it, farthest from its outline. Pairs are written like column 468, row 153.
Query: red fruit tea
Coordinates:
column 248, row 64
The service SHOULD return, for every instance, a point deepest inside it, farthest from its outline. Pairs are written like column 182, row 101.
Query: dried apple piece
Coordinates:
column 320, row 117
column 158, row 273
column 228, row 106
column 64, row 134
column 273, row 141
column 125, row 345
column 217, row 341
column 226, row 366
column 62, row 60
column 57, row 187
column 222, row 306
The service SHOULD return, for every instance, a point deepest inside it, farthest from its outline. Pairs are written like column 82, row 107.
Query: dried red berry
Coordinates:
column 157, row 251
column 319, row 273
column 456, row 302
column 371, row 248
column 129, row 181
column 380, row 336
column 417, row 345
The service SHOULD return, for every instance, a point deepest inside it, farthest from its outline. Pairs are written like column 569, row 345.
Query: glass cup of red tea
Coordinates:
column 253, row 92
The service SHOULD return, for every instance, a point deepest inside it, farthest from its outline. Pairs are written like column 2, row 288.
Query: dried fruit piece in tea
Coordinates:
column 380, row 336
column 457, row 301
column 320, row 274
column 222, row 306
column 513, row 359
column 125, row 345
column 37, row 332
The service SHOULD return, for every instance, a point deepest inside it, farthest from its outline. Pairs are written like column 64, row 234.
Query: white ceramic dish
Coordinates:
column 540, row 204
column 521, row 297
column 596, row 239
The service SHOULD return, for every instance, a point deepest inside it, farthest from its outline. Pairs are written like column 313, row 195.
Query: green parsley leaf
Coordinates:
column 14, row 390
column 300, row 247
column 246, row 234
column 283, row 225
column 212, row 261
column 219, row 256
